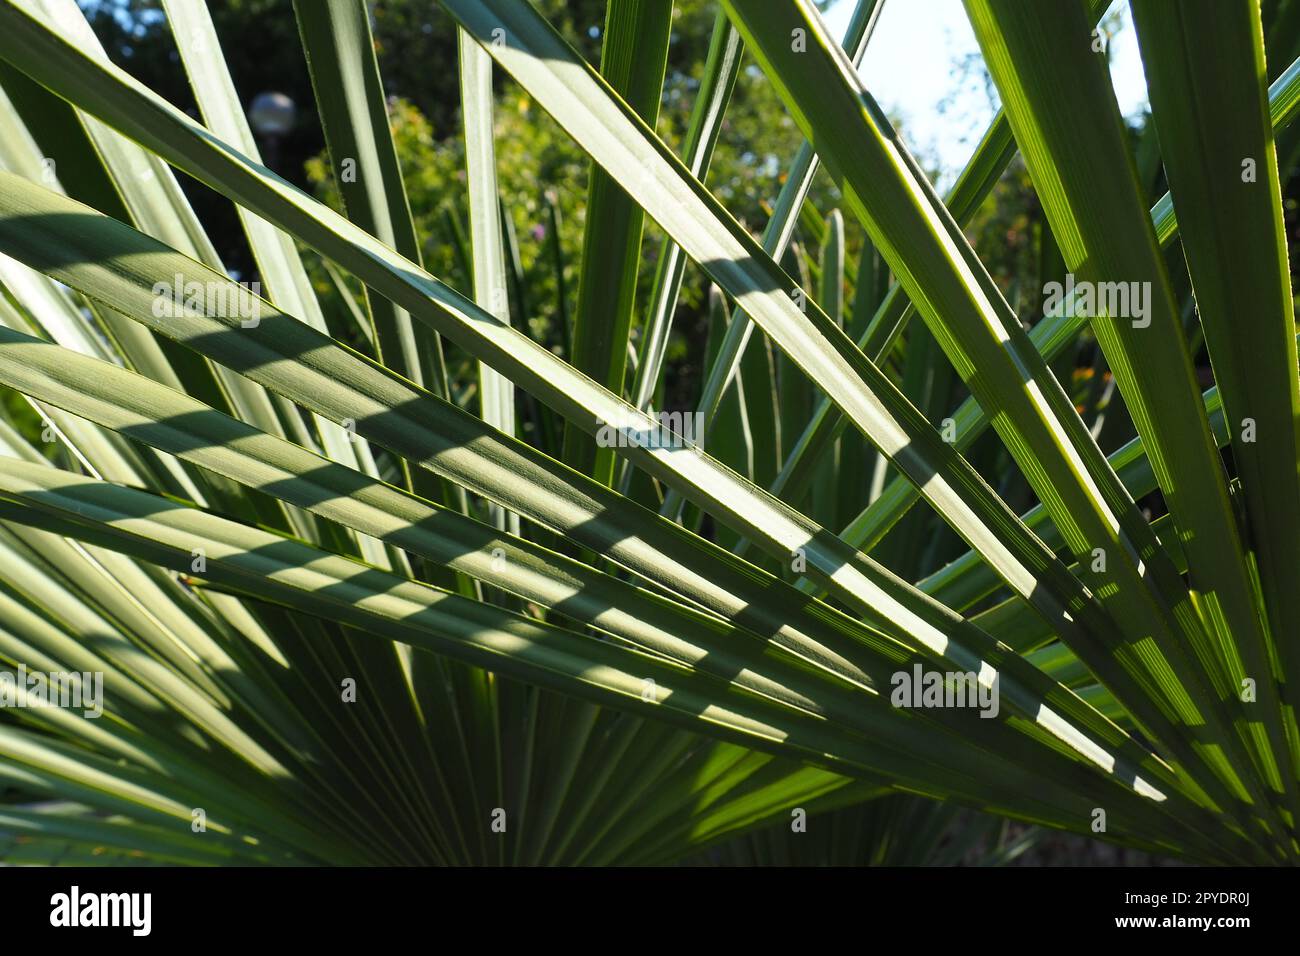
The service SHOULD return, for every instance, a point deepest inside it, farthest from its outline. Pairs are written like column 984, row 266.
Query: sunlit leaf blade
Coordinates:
column 1225, row 190
column 634, row 51
column 1035, row 419
column 1101, row 224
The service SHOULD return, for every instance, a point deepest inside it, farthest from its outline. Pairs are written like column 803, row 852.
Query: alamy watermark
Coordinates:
column 921, row 688
column 1118, row 300
column 74, row 908
column 69, row 690
column 229, row 300
column 670, row 430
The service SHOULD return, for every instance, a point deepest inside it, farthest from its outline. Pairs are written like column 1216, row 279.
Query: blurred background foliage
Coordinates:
column 539, row 169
